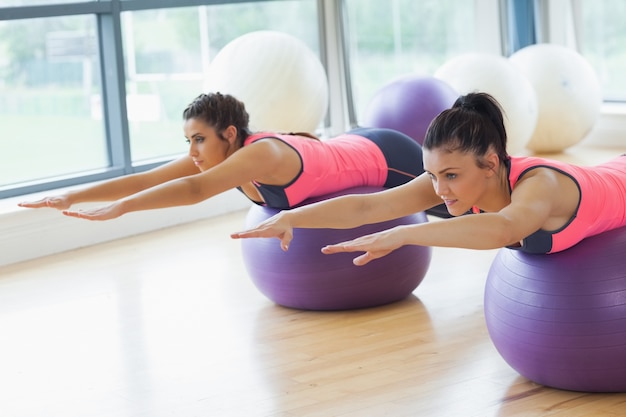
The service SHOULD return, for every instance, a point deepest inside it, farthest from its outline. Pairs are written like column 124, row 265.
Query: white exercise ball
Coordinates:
column 278, row 77
column 497, row 76
column 569, row 95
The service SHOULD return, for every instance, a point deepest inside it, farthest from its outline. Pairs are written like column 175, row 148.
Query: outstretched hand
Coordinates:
column 59, row 203
column 101, row 213
column 276, row 226
column 375, row 246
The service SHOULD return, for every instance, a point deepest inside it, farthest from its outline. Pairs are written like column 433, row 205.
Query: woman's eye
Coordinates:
column 450, row 176
column 197, row 139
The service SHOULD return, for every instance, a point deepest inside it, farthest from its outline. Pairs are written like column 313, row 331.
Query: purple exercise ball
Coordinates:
column 304, row 278
column 560, row 319
column 408, row 104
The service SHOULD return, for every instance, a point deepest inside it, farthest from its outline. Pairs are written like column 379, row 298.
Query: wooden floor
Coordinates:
column 169, row 324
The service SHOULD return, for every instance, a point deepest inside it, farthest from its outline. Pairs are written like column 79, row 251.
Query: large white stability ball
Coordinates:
column 278, row 77
column 569, row 95
column 497, row 76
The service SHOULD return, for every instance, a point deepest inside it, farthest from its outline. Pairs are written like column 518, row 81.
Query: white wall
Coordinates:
column 31, row 233
column 610, row 130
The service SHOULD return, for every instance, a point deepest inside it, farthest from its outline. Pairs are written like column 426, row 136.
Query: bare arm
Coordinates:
column 530, row 208
column 117, row 188
column 349, row 211
column 246, row 164
column 479, row 231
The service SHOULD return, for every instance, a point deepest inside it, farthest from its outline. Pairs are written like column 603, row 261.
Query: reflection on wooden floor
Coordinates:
column 168, row 324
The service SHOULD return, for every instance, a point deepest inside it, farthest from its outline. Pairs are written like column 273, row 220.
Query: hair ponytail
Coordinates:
column 474, row 124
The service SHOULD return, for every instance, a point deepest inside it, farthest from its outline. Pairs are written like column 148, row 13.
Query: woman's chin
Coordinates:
column 456, row 210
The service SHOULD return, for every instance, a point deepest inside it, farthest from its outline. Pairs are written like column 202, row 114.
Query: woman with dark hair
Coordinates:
column 532, row 204
column 272, row 169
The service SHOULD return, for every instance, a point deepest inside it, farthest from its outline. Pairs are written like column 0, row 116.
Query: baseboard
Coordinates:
column 27, row 234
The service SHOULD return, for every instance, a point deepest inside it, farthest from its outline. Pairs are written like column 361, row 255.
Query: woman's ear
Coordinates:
column 230, row 134
column 492, row 162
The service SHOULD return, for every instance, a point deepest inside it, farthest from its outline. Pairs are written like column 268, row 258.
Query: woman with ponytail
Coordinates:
column 532, row 204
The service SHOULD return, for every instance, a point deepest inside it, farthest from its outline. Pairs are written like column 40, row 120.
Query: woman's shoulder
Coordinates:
column 522, row 168
column 258, row 136
column 285, row 137
column 522, row 164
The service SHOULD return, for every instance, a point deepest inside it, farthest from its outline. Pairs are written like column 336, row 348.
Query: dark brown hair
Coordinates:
column 220, row 111
column 474, row 124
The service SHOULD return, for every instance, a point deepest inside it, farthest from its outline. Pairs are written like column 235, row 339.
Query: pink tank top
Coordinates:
column 602, row 204
column 328, row 166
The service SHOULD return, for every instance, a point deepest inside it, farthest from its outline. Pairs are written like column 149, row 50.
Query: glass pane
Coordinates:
column 167, row 52
column 50, row 123
column 393, row 38
column 602, row 41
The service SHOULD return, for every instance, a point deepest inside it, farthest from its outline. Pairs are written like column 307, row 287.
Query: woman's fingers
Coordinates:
column 78, row 214
column 355, row 245
column 285, row 240
column 102, row 213
column 285, row 236
column 33, row 204
column 52, row 202
column 256, row 232
column 374, row 246
column 363, row 259
column 84, row 215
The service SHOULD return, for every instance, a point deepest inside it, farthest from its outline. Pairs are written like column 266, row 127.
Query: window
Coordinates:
column 389, row 39
column 49, row 122
column 601, row 40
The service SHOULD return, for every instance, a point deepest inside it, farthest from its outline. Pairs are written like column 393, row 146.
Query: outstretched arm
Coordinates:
column 349, row 211
column 252, row 162
column 117, row 188
column 528, row 211
column 479, row 231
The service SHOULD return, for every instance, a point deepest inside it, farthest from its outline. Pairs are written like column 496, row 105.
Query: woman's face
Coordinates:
column 206, row 147
column 456, row 178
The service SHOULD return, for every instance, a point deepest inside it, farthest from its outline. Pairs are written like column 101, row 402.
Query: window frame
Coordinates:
column 113, row 76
